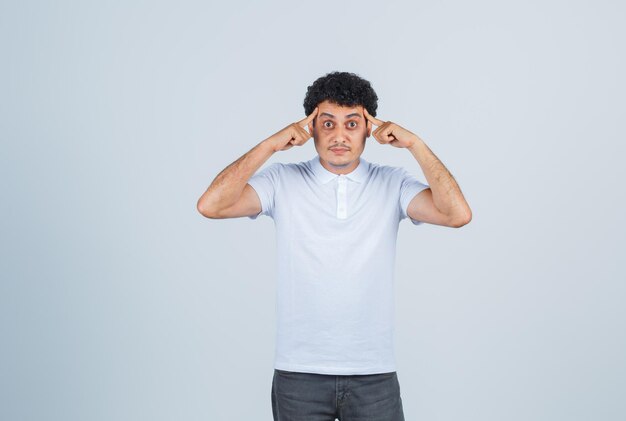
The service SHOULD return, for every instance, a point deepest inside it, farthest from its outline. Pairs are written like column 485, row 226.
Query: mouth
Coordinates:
column 339, row 151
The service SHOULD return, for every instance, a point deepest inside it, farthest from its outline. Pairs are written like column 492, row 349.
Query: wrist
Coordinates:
column 270, row 145
column 415, row 144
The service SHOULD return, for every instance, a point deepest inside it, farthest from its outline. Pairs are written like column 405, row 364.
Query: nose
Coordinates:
column 341, row 135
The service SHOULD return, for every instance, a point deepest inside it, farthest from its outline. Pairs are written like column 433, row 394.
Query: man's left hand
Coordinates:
column 391, row 133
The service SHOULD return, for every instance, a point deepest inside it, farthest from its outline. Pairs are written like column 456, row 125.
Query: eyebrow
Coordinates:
column 348, row 116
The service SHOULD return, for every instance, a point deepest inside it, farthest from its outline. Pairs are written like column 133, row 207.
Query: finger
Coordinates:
column 305, row 121
column 371, row 118
column 305, row 135
column 390, row 138
column 379, row 130
column 376, row 136
column 386, row 135
column 381, row 134
column 299, row 136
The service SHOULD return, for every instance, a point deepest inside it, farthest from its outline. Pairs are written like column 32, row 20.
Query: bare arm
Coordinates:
column 446, row 194
column 228, row 186
column 442, row 203
column 227, row 190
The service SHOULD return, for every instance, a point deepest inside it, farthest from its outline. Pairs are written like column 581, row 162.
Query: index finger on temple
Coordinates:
column 372, row 118
column 308, row 118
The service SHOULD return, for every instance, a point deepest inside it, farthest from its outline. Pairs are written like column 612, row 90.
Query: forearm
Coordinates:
column 447, row 195
column 228, row 185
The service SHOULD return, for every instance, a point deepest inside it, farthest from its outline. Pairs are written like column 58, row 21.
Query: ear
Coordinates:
column 311, row 126
column 369, row 128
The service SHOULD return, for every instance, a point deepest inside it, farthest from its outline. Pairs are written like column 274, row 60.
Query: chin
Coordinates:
column 340, row 160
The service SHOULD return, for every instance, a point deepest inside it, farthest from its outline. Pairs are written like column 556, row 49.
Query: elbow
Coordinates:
column 202, row 211
column 464, row 219
column 206, row 212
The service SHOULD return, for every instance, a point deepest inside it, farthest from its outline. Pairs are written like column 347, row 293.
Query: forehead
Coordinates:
column 339, row 111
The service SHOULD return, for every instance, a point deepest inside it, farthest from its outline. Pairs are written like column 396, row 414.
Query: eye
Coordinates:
column 353, row 122
column 329, row 122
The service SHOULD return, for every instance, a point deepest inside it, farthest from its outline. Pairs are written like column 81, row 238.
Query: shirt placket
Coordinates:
column 342, row 197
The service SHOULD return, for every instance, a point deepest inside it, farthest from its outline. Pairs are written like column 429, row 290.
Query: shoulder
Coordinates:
column 297, row 168
column 274, row 169
column 386, row 171
column 280, row 171
column 267, row 172
column 288, row 166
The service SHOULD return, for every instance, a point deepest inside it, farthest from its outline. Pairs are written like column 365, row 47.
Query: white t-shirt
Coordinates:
column 335, row 243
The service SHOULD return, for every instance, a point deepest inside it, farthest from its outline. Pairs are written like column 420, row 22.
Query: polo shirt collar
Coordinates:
column 359, row 174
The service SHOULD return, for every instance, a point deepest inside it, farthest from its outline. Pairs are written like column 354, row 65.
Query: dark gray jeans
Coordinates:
column 322, row 397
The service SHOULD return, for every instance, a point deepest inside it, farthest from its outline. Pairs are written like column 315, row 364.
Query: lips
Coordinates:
column 338, row 149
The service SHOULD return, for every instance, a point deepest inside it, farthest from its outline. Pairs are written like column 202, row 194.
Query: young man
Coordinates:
column 336, row 219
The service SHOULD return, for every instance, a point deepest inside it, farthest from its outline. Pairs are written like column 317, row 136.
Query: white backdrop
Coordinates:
column 119, row 301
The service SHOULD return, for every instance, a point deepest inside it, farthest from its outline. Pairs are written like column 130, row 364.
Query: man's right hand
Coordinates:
column 292, row 135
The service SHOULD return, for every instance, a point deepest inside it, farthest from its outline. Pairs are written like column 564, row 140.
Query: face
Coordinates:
column 339, row 134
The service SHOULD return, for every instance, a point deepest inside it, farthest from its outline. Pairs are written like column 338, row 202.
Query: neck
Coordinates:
column 340, row 169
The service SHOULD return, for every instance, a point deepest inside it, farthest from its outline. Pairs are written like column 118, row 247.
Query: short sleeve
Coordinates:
column 409, row 188
column 264, row 182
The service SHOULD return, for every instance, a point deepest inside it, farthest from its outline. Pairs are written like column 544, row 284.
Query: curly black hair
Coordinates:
column 341, row 88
